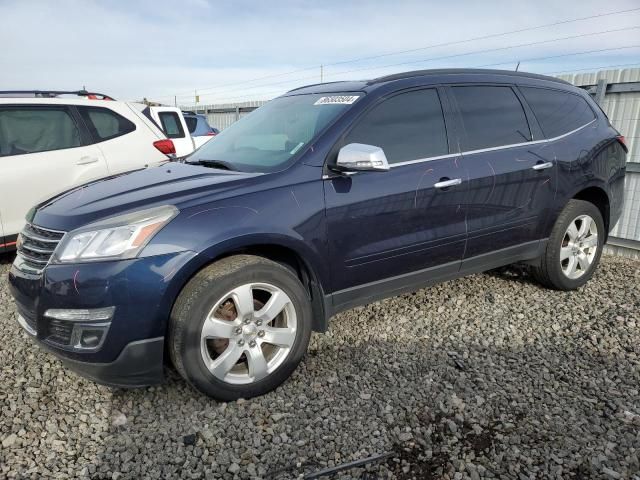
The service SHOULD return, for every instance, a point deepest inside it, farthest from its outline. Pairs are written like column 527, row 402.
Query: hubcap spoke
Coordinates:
column 282, row 337
column 216, row 328
column 590, row 241
column 572, row 231
column 243, row 298
column 221, row 366
column 571, row 267
column 585, row 226
column 583, row 261
column 257, row 363
column 565, row 252
column 278, row 301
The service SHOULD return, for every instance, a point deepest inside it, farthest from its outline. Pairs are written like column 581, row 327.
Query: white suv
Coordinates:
column 52, row 141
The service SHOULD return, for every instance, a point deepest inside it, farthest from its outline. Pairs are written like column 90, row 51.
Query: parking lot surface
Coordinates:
column 487, row 376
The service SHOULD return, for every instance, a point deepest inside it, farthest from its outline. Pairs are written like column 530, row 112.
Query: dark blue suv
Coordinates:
column 331, row 196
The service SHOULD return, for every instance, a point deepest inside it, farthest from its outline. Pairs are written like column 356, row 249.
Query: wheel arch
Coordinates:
column 597, row 196
column 285, row 251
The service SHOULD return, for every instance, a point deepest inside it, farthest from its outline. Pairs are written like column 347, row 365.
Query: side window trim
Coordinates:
column 86, row 138
column 446, row 115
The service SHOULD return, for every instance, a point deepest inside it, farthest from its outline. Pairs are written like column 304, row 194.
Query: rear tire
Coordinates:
column 574, row 247
column 240, row 327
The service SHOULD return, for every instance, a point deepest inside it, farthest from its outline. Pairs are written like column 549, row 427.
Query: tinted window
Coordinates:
column 557, row 112
column 192, row 123
column 492, row 116
column 408, row 126
column 32, row 129
column 171, row 124
column 104, row 123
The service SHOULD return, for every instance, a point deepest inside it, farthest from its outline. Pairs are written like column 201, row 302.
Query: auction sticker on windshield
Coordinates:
column 337, row 100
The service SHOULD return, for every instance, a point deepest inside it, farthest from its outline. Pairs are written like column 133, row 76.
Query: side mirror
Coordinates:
column 358, row 157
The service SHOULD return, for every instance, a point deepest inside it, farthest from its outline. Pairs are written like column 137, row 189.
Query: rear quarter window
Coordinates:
column 105, row 124
column 171, row 124
column 557, row 112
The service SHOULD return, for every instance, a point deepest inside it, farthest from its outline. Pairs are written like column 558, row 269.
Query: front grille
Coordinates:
column 36, row 245
column 59, row 331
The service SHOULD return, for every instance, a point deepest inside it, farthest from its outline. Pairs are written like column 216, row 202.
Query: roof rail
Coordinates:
column 54, row 94
column 453, row 71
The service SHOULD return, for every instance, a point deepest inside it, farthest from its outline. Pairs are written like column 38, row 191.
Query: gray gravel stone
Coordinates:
column 489, row 376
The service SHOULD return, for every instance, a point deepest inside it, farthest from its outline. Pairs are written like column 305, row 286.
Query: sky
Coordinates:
column 234, row 51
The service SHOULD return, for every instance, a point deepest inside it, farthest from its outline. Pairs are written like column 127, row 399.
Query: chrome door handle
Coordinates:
column 87, row 160
column 448, row 183
column 542, row 166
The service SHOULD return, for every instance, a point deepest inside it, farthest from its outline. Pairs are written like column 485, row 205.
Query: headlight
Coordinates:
column 118, row 237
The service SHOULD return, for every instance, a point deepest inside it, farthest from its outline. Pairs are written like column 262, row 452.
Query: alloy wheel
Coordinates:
column 579, row 247
column 248, row 333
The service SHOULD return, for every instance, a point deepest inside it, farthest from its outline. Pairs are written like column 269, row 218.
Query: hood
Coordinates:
column 169, row 184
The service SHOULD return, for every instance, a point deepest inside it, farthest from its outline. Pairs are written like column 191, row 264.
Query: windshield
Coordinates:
column 266, row 139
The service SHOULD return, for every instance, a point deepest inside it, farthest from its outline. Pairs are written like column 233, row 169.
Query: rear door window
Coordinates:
column 32, row 129
column 105, row 124
column 492, row 116
column 557, row 112
column 408, row 126
column 171, row 124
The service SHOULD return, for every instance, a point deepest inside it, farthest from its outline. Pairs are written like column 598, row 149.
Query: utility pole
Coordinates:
column 175, row 100
column 321, row 73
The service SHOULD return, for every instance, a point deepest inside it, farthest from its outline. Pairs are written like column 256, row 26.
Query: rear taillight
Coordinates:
column 623, row 142
column 165, row 146
column 211, row 134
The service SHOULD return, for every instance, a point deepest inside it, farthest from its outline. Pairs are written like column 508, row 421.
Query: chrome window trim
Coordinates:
column 482, row 150
column 492, row 149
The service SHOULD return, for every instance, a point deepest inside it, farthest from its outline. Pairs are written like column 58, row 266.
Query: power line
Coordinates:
column 400, row 52
column 444, row 57
column 280, row 91
column 593, row 68
column 563, row 55
column 571, row 37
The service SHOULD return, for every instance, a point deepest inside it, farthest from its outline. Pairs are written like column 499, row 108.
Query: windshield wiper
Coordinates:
column 219, row 164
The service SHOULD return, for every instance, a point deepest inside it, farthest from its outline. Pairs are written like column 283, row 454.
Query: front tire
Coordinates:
column 574, row 247
column 240, row 327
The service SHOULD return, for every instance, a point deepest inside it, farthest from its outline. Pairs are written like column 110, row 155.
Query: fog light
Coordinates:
column 88, row 327
column 90, row 338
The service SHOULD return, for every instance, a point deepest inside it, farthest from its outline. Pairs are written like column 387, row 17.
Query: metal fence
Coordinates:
column 222, row 115
column 616, row 91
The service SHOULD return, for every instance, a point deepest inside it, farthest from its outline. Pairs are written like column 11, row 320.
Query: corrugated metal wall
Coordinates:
column 221, row 116
column 623, row 109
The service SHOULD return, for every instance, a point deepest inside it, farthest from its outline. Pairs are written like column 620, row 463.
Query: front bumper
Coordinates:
column 141, row 291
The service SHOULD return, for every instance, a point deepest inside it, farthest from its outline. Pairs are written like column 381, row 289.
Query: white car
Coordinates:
column 51, row 142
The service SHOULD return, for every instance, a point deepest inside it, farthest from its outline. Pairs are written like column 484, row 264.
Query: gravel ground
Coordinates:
column 488, row 376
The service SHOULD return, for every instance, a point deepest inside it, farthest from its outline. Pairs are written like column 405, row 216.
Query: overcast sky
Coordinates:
column 157, row 48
